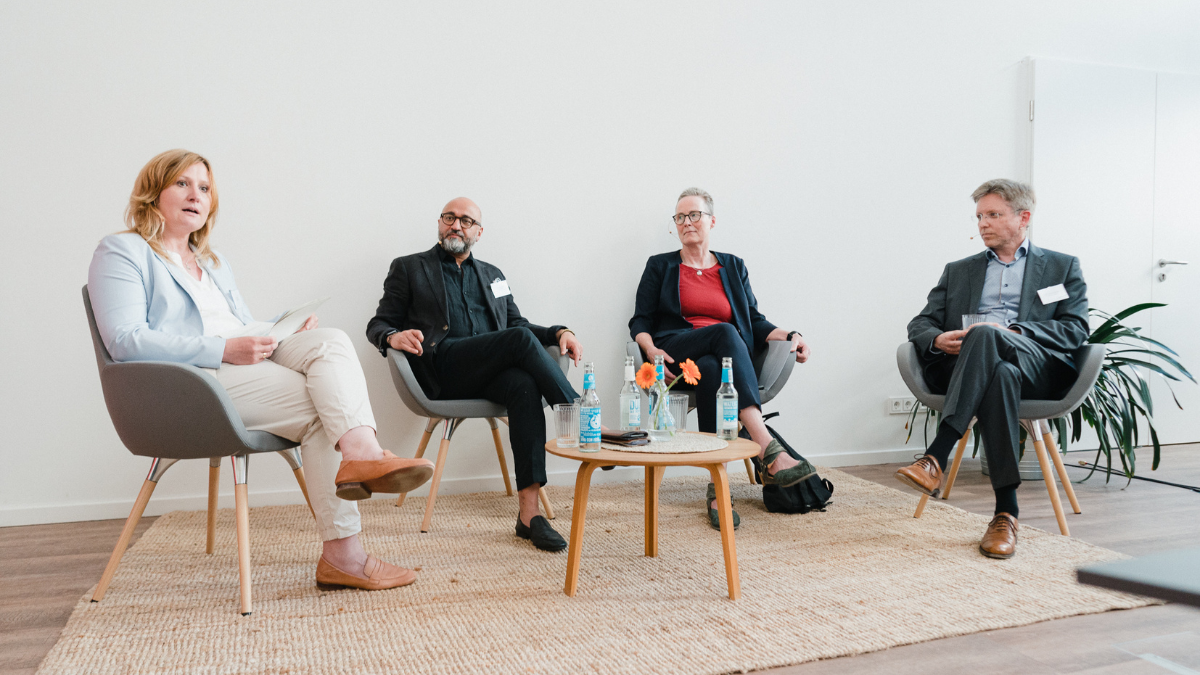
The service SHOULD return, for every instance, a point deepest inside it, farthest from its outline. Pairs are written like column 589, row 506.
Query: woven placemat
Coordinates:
column 862, row 576
column 684, row 441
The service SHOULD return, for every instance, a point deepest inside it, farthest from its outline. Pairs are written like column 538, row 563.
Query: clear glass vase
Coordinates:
column 661, row 425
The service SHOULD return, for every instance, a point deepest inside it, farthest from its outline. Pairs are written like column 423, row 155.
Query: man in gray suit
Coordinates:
column 1035, row 308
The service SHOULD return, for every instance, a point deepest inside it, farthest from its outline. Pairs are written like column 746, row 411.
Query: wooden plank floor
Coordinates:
column 44, row 569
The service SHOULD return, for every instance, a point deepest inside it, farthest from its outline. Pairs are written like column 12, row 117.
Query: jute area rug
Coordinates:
column 860, row 577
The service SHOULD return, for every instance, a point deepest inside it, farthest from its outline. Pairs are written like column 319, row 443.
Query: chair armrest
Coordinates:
column 1089, row 359
column 406, row 384
column 635, row 350
column 914, row 377
column 562, row 360
column 175, row 410
column 773, row 366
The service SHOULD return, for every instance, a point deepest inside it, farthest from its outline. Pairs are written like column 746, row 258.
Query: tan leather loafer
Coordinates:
column 358, row 479
column 380, row 575
column 924, row 475
column 1000, row 540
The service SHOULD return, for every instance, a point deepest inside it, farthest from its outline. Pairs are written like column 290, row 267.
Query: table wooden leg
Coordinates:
column 725, row 514
column 654, row 476
column 583, row 484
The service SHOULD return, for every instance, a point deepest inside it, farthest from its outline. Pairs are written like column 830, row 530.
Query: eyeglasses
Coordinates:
column 449, row 218
column 692, row 217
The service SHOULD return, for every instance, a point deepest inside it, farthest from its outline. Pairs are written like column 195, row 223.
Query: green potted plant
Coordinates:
column 1120, row 396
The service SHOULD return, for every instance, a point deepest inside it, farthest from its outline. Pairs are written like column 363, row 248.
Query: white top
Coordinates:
column 214, row 308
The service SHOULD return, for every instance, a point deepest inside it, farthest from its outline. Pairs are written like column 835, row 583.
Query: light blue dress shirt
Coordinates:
column 1001, row 298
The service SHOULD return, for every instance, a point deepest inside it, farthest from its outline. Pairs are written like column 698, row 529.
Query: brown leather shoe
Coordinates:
column 380, row 575
column 358, row 479
column 1000, row 540
column 924, row 475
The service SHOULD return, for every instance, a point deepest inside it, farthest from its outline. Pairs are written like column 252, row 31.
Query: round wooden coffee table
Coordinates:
column 713, row 460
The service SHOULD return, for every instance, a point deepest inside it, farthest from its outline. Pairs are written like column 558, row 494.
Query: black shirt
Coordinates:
column 467, row 310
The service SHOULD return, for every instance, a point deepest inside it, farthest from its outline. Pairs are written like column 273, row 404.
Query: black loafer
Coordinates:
column 541, row 534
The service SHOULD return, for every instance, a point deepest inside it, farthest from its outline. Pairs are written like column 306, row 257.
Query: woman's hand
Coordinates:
column 799, row 346
column 652, row 352
column 310, row 324
column 247, row 351
column 407, row 341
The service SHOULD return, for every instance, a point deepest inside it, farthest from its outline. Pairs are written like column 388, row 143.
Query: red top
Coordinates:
column 702, row 298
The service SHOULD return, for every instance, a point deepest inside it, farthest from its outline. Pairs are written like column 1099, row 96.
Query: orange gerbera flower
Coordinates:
column 646, row 375
column 691, row 374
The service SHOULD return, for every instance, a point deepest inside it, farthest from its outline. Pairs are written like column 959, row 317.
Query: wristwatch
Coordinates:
column 795, row 332
column 387, row 335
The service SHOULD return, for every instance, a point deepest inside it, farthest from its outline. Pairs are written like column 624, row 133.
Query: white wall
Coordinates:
column 841, row 141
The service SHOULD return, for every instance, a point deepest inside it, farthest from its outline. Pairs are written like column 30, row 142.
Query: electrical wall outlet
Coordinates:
column 901, row 405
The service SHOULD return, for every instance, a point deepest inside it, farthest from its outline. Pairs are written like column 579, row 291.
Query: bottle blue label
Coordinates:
column 659, row 371
column 589, row 425
column 589, row 381
column 729, row 414
column 635, row 411
column 727, row 374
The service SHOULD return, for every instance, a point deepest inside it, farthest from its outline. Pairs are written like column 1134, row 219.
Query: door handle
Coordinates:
column 1163, row 263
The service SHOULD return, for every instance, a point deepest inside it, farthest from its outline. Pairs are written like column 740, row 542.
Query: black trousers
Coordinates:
column 987, row 380
column 512, row 368
column 706, row 347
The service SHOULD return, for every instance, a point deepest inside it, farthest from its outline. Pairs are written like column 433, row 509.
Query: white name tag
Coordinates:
column 1051, row 294
column 500, row 288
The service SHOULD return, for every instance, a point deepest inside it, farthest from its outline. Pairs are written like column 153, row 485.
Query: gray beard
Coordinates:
column 455, row 245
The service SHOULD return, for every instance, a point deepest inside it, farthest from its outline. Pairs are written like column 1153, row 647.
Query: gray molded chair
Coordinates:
column 451, row 413
column 172, row 411
column 1033, row 413
column 772, row 365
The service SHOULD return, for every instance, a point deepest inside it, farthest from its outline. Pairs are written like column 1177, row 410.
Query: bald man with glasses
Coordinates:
column 455, row 318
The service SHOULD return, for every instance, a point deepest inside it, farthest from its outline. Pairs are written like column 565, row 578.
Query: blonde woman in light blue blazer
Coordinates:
column 160, row 293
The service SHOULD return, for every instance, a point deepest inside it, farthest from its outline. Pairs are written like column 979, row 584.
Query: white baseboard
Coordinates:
column 65, row 513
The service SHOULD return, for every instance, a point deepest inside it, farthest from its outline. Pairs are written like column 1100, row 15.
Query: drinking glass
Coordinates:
column 678, row 404
column 969, row 320
column 566, row 424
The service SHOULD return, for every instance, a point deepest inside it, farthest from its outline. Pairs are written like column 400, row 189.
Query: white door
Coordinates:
column 1177, row 238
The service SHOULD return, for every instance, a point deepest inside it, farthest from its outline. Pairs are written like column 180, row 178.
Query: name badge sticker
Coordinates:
column 500, row 288
column 1051, row 294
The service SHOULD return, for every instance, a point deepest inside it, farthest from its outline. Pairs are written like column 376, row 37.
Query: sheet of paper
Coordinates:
column 1051, row 294
column 292, row 320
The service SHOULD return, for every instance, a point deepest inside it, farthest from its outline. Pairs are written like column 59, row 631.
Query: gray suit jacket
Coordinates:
column 414, row 296
column 1061, row 327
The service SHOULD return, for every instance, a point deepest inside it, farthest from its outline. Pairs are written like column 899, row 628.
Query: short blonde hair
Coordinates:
column 142, row 214
column 1019, row 196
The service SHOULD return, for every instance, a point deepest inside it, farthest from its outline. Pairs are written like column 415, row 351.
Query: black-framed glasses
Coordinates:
column 448, row 219
column 692, row 217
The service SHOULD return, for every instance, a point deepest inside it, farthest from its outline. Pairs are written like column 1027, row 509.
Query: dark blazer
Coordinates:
column 1061, row 327
column 414, row 296
column 657, row 309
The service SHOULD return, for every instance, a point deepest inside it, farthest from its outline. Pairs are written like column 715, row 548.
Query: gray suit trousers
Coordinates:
column 987, row 380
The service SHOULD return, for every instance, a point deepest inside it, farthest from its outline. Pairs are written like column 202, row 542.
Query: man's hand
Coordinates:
column 568, row 344
column 310, row 324
column 801, row 348
column 407, row 341
column 246, row 351
column 950, row 342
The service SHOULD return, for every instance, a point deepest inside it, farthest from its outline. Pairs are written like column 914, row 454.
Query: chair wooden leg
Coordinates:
column 135, row 514
column 1056, row 457
column 546, row 503
column 299, row 473
column 921, row 506
column 750, row 471
column 1048, row 475
column 725, row 518
column 583, row 484
column 958, row 456
column 443, row 450
column 241, row 502
column 654, row 476
column 500, row 455
column 214, row 483
column 429, row 427
column 241, row 498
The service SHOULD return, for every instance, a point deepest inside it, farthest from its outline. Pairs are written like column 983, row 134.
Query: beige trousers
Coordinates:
column 311, row 390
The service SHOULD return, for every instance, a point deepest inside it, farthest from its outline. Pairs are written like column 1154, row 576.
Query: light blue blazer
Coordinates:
column 143, row 309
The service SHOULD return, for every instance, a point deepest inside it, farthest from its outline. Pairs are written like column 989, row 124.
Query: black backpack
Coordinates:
column 811, row 494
